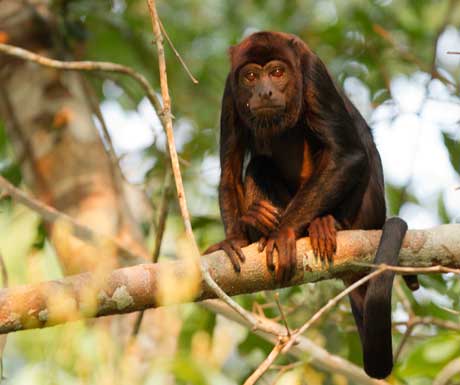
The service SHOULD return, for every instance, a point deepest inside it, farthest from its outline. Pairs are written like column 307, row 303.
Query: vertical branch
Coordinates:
column 166, row 119
column 161, row 225
column 163, row 215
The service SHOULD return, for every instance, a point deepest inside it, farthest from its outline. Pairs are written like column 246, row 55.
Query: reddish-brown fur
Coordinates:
column 319, row 170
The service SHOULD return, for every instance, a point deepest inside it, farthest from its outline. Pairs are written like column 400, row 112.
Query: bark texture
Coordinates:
column 50, row 122
column 151, row 285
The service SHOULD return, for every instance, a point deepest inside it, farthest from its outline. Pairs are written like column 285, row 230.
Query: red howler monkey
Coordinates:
column 312, row 168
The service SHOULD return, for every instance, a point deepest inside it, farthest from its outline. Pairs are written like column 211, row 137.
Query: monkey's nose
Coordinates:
column 266, row 94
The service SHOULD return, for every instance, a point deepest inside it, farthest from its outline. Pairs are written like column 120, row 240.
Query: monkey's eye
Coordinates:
column 250, row 76
column 277, row 72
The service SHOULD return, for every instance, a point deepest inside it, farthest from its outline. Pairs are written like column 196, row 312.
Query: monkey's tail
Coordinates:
column 376, row 315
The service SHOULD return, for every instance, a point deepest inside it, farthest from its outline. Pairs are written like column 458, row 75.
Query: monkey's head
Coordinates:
column 267, row 82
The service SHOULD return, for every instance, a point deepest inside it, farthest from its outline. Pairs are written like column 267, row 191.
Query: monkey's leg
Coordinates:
column 411, row 281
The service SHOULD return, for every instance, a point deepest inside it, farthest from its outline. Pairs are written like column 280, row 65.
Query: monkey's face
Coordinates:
column 267, row 97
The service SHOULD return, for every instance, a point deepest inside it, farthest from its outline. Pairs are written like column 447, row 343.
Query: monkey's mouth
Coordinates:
column 268, row 110
column 271, row 119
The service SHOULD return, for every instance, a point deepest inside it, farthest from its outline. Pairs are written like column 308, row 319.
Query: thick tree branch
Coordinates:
column 81, row 231
column 140, row 287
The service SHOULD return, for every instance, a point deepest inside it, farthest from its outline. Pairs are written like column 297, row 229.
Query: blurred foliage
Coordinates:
column 372, row 42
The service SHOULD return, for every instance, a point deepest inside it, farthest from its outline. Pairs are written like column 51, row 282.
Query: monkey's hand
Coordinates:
column 284, row 241
column 323, row 237
column 262, row 216
column 232, row 247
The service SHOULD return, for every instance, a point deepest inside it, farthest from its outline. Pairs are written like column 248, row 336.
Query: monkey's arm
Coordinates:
column 344, row 163
column 232, row 151
column 324, row 191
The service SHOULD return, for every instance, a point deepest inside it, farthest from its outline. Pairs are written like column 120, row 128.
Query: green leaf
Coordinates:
column 453, row 147
column 429, row 357
column 197, row 319
column 442, row 211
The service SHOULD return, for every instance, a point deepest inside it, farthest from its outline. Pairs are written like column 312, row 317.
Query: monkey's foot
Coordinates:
column 323, row 237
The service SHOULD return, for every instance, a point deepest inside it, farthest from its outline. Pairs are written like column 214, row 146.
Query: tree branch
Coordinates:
column 305, row 348
column 85, row 66
column 79, row 230
column 168, row 126
column 139, row 287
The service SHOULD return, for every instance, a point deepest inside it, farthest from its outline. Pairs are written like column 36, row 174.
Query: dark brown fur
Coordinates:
column 312, row 169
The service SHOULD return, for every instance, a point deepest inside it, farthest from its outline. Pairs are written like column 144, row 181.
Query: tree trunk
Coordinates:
column 63, row 160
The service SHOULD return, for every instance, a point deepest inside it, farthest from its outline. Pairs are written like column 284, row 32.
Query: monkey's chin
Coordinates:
column 268, row 125
column 264, row 130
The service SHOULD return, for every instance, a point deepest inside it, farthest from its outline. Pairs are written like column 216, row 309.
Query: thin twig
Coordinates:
column 161, row 225
column 163, row 215
column 265, row 365
column 409, row 56
column 115, row 170
column 291, row 340
column 447, row 17
column 331, row 303
column 283, row 369
column 318, row 356
column 405, row 338
column 85, row 66
column 51, row 215
column 428, row 320
column 179, row 57
column 283, row 316
column 447, row 372
column 165, row 116
column 403, row 298
column 411, row 270
column 453, row 53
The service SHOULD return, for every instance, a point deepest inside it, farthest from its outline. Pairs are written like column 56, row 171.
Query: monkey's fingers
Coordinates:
column 269, row 248
column 254, row 221
column 283, row 258
column 213, row 248
column 292, row 258
column 323, row 234
column 283, row 272
column 266, row 210
column 282, row 269
column 331, row 237
column 265, row 220
column 262, row 243
column 313, row 234
column 268, row 206
column 232, row 248
column 232, row 256
column 290, row 252
column 236, row 246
